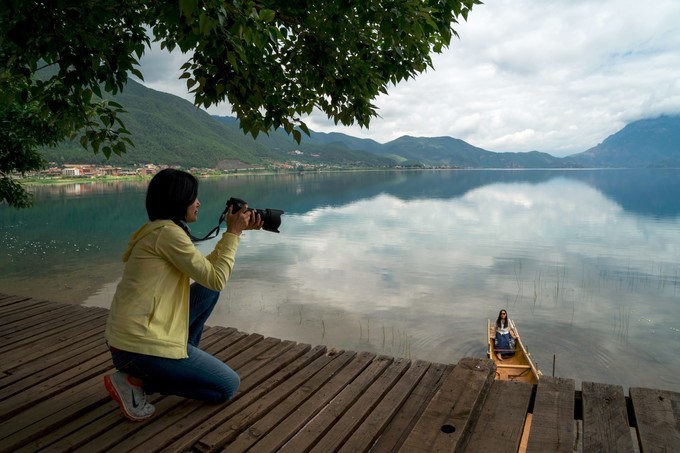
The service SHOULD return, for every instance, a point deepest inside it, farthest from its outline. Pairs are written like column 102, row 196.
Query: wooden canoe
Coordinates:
column 519, row 367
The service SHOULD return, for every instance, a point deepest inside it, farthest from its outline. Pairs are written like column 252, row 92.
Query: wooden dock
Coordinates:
column 296, row 397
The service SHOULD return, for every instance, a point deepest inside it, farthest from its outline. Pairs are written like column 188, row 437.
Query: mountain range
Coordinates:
column 168, row 130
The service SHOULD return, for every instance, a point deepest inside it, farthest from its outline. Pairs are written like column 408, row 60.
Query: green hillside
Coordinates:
column 169, row 130
column 653, row 143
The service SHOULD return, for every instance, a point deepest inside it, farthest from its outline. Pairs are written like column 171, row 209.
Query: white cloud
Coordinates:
column 550, row 75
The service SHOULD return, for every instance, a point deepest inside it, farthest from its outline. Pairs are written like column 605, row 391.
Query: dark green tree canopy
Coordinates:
column 272, row 61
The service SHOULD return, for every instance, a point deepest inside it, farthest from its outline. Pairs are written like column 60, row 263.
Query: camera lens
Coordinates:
column 271, row 218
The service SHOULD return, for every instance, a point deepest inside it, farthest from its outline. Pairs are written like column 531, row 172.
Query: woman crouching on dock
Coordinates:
column 157, row 316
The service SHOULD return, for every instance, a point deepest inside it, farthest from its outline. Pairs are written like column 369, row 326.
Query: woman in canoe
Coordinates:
column 506, row 336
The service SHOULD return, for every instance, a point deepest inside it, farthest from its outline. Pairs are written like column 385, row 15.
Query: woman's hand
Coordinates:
column 237, row 222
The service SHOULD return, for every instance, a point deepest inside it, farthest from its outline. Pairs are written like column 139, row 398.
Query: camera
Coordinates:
column 271, row 217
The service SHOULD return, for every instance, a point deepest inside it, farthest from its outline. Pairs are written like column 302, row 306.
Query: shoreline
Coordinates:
column 37, row 181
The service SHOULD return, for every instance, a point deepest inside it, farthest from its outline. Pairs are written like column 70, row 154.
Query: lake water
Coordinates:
column 408, row 263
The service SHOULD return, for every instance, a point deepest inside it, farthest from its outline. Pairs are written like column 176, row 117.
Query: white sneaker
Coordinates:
column 131, row 398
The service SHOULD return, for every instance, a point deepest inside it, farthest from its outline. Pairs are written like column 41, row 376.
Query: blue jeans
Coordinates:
column 200, row 376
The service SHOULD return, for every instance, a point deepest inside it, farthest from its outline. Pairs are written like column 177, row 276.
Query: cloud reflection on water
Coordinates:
column 559, row 255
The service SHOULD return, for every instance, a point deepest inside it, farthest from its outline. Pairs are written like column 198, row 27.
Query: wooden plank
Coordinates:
column 402, row 423
column 41, row 321
column 238, row 347
column 235, row 342
column 324, row 420
column 51, row 341
column 224, row 338
column 501, row 421
column 42, row 417
column 31, row 362
column 445, row 423
column 36, row 339
column 363, row 436
column 199, row 423
column 605, row 419
column 325, row 386
column 121, row 438
column 18, row 303
column 552, row 422
column 257, row 409
column 657, row 416
column 243, row 358
column 263, row 430
column 52, row 398
column 55, row 385
column 8, row 299
column 23, row 309
column 344, row 426
column 252, row 360
column 106, row 420
column 46, row 369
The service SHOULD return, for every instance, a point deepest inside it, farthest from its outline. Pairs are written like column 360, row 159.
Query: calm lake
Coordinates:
column 413, row 263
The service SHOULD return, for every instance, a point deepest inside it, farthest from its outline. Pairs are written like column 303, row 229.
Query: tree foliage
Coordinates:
column 273, row 61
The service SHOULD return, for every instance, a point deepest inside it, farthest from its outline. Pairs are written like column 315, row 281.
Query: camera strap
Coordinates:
column 212, row 234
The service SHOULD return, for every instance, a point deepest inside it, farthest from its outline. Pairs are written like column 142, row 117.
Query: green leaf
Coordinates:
column 297, row 136
column 188, row 7
column 267, row 15
column 137, row 73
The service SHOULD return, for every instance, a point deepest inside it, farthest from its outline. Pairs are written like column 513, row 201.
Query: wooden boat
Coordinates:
column 519, row 367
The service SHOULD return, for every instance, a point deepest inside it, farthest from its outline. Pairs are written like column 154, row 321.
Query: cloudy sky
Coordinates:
column 557, row 76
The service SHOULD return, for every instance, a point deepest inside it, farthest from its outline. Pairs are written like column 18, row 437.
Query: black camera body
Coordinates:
column 271, row 217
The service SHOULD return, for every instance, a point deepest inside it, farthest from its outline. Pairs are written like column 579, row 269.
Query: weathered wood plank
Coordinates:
column 51, row 341
column 256, row 410
column 344, row 426
column 325, row 386
column 500, row 422
column 25, row 355
column 324, row 420
column 552, row 422
column 49, row 388
column 657, row 415
column 290, row 407
column 122, row 437
column 406, row 418
column 33, row 317
column 445, row 423
column 364, row 435
column 9, row 299
column 56, row 364
column 37, row 339
column 296, row 398
column 87, row 427
column 46, row 415
column 605, row 419
column 253, row 387
column 12, row 304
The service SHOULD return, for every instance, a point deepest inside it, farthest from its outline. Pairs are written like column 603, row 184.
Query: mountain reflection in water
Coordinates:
column 408, row 263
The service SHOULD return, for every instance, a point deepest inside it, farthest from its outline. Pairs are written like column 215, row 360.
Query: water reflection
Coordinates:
column 588, row 282
column 413, row 264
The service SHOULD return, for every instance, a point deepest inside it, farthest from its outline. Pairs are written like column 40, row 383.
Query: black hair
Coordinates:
column 500, row 321
column 169, row 195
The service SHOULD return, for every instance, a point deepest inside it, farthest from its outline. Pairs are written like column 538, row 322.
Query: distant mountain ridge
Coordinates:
column 172, row 131
column 644, row 143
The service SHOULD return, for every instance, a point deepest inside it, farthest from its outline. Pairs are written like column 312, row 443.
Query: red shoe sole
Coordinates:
column 114, row 395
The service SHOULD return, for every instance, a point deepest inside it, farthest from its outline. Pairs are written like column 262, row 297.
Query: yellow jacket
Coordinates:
column 150, row 309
